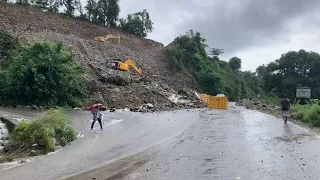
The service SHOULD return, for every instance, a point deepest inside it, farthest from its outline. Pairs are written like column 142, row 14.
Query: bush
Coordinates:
column 44, row 74
column 307, row 114
column 52, row 124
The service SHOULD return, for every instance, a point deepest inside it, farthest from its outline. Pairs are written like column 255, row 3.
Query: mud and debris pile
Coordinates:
column 113, row 88
column 259, row 106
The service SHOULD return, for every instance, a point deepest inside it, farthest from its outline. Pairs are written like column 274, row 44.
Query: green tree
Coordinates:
column 261, row 70
column 292, row 69
column 93, row 11
column 47, row 5
column 44, row 74
column 138, row 24
column 112, row 15
column 70, row 6
column 216, row 51
column 82, row 16
column 212, row 75
column 235, row 63
column 23, row 2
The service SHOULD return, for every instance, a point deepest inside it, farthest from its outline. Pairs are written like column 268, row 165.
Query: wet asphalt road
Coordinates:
column 200, row 144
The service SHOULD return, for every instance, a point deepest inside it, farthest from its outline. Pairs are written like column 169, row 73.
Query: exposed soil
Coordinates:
column 156, row 85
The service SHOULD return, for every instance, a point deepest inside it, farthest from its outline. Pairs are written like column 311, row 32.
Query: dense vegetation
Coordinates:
column 50, row 129
column 41, row 73
column 270, row 82
column 193, row 57
column 293, row 69
column 100, row 12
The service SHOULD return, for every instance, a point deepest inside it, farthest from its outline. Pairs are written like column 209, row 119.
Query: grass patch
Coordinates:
column 307, row 114
column 51, row 128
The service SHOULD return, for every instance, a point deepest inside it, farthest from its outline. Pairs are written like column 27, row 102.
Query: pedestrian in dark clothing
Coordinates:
column 285, row 107
column 96, row 116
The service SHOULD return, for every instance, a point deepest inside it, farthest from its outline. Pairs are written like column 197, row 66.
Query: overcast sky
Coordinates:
column 257, row 31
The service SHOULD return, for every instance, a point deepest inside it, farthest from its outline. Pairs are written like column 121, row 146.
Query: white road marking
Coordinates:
column 304, row 129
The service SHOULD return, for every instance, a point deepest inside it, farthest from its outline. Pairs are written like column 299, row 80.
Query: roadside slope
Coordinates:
column 158, row 81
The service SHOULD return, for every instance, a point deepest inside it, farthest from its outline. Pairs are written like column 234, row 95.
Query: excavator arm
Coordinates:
column 131, row 64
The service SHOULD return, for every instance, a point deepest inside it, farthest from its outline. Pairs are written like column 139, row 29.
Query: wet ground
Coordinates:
column 200, row 144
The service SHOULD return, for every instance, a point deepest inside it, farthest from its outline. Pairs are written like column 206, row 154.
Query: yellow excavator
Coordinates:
column 124, row 66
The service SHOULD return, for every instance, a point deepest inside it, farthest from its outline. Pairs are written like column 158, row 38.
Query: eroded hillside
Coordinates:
column 155, row 86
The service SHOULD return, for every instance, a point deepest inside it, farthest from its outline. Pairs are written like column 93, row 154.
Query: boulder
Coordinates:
column 33, row 152
column 149, row 105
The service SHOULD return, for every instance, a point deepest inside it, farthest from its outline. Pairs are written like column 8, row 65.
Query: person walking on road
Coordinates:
column 96, row 116
column 285, row 107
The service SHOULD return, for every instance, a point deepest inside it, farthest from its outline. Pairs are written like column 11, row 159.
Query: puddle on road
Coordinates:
column 294, row 137
column 114, row 122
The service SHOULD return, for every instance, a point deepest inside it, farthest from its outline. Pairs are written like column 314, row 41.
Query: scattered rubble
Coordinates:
column 259, row 106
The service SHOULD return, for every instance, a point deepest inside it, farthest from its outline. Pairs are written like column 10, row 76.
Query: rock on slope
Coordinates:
column 157, row 83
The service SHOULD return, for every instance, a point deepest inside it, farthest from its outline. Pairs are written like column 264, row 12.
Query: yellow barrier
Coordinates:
column 215, row 101
column 218, row 102
column 205, row 97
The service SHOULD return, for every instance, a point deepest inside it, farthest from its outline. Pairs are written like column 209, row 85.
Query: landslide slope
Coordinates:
column 112, row 87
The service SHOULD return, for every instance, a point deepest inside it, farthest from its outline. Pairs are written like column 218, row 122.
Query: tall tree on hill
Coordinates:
column 22, row 2
column 47, row 5
column 138, row 23
column 261, row 70
column 112, row 15
column 102, row 12
column 106, row 12
column 235, row 63
column 82, row 16
column 70, row 6
column 91, row 8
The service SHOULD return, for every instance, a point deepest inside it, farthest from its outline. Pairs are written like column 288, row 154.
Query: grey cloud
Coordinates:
column 235, row 27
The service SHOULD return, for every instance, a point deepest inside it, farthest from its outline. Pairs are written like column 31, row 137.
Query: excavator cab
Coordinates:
column 124, row 66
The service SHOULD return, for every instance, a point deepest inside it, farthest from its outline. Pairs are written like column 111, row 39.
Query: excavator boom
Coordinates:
column 124, row 66
column 132, row 64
